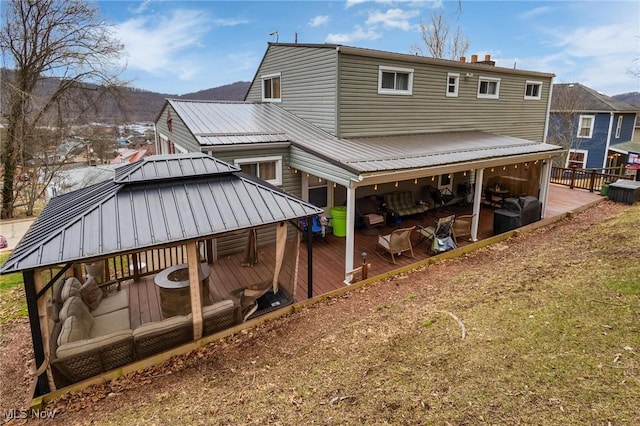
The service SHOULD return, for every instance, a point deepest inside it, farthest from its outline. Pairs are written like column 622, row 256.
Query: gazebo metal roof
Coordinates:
column 156, row 201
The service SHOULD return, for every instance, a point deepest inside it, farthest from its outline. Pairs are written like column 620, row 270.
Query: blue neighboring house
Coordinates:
column 589, row 123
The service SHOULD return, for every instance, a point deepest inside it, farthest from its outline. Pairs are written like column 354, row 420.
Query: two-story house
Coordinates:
column 589, row 124
column 334, row 123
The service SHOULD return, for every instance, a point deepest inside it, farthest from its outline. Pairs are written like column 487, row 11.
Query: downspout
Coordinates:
column 606, row 151
column 546, row 117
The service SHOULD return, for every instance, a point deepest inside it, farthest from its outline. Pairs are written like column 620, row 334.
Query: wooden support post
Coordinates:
column 36, row 330
column 193, row 261
column 572, row 184
column 309, row 257
column 592, row 181
column 365, row 266
column 209, row 249
column 136, row 267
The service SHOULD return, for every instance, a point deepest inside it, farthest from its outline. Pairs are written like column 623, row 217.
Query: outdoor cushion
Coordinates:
column 112, row 302
column 109, row 323
column 71, row 288
column 82, row 347
column 91, row 294
column 74, row 306
column 374, row 218
column 159, row 336
column 72, row 331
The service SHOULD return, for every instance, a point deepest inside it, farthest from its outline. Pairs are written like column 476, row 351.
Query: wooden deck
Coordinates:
column 228, row 273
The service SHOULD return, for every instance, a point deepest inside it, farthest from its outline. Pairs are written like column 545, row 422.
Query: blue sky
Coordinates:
column 177, row 47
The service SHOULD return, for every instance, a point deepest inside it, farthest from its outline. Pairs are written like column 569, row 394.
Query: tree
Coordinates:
column 439, row 40
column 566, row 104
column 62, row 61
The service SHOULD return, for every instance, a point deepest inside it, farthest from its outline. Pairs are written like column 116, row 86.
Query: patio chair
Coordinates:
column 396, row 243
column 440, row 235
column 369, row 211
column 462, row 226
column 318, row 227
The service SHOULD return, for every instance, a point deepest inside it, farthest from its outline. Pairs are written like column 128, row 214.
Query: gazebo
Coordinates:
column 179, row 204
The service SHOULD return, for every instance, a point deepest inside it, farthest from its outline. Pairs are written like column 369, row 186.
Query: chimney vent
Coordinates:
column 474, row 58
column 463, row 59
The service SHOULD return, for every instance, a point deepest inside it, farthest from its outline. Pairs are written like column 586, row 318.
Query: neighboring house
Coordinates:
column 334, row 123
column 127, row 155
column 72, row 179
column 589, row 123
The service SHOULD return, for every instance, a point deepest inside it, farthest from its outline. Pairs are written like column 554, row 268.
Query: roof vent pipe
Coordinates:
column 474, row 58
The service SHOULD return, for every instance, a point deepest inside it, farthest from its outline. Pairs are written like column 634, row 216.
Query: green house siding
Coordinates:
column 179, row 133
column 290, row 183
column 364, row 112
column 308, row 82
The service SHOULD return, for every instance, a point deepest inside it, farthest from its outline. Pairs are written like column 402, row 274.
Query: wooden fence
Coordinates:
column 590, row 179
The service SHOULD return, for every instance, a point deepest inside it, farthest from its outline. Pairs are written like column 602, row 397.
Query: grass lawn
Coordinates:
column 12, row 301
column 553, row 338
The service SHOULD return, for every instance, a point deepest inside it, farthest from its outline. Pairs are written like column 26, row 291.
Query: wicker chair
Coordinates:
column 462, row 226
column 398, row 242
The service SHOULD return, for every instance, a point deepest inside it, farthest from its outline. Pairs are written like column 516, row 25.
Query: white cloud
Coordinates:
column 356, row 35
column 229, row 22
column 153, row 44
column 393, row 18
column 319, row 20
column 596, row 41
column 532, row 13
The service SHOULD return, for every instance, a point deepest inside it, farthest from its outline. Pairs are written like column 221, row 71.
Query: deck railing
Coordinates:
column 591, row 179
column 147, row 262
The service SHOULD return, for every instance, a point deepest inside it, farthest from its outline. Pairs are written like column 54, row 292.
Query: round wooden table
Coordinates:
column 173, row 285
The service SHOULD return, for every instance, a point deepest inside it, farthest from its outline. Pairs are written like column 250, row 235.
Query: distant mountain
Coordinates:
column 230, row 92
column 632, row 98
column 135, row 104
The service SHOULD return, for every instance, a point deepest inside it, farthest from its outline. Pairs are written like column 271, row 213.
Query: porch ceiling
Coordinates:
column 136, row 211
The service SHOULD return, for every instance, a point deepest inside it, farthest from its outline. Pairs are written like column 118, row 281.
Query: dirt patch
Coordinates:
column 546, row 343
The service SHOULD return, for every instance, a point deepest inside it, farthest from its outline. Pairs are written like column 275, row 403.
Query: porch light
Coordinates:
column 492, row 169
column 449, row 176
column 307, row 174
column 433, row 178
column 516, row 166
column 464, row 174
column 319, row 180
column 375, row 187
column 334, row 184
column 504, row 167
column 415, row 181
column 396, row 184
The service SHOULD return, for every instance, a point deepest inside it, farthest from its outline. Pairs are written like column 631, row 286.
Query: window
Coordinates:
column 619, row 126
column 577, row 158
column 271, row 88
column 453, row 80
column 532, row 90
column 488, row 88
column 585, row 126
column 395, row 81
column 266, row 168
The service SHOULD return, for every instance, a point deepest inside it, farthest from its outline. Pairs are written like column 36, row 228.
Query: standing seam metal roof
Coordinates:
column 136, row 211
column 252, row 121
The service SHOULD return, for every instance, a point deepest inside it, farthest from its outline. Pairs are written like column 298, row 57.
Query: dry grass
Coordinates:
column 553, row 338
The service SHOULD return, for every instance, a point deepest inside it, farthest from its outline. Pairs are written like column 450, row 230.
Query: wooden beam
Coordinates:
column 36, row 331
column 193, row 261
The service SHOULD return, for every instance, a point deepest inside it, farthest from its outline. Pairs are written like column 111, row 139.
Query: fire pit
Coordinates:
column 173, row 286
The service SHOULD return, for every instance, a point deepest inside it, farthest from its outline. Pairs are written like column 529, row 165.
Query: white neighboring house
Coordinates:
column 72, row 179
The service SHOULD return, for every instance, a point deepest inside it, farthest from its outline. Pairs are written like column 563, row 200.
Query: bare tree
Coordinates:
column 439, row 40
column 566, row 104
column 63, row 61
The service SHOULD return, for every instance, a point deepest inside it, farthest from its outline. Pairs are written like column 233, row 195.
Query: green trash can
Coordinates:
column 604, row 190
column 339, row 220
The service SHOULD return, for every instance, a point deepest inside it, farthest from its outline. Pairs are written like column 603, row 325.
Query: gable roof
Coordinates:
column 149, row 204
column 581, row 98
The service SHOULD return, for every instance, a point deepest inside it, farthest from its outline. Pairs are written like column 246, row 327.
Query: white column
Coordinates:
column 350, row 237
column 477, row 200
column 545, row 177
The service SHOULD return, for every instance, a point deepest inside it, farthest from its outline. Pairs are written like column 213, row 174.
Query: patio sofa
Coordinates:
column 401, row 203
column 86, row 342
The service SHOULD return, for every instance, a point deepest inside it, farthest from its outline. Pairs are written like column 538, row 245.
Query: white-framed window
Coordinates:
column 395, row 81
column 619, row 126
column 532, row 90
column 577, row 158
column 271, row 88
column 488, row 87
column 266, row 168
column 453, row 82
column 585, row 126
